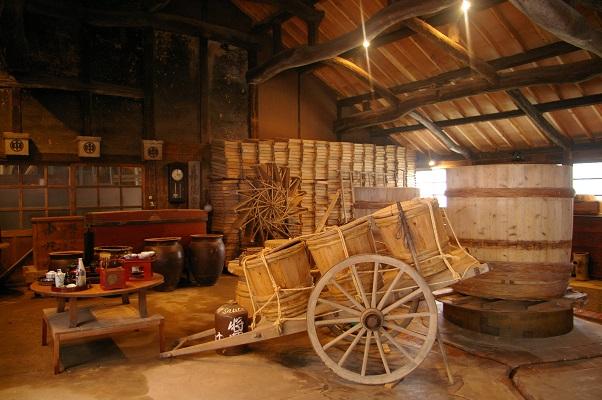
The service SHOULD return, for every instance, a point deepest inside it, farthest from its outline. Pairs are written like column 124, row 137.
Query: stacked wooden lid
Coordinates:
column 295, row 156
column 391, row 165
column 281, row 153
column 224, row 198
column 250, row 158
column 321, row 164
column 225, row 159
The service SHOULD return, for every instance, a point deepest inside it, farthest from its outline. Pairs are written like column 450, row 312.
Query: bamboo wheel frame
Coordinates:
column 271, row 206
column 388, row 350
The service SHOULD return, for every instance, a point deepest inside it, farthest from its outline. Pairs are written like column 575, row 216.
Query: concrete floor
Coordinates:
column 127, row 366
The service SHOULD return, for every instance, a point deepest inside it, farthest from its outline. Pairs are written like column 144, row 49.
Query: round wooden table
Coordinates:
column 95, row 290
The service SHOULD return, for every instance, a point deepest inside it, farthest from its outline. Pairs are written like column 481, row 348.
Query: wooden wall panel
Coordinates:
column 119, row 122
column 53, row 118
column 278, row 108
column 177, row 88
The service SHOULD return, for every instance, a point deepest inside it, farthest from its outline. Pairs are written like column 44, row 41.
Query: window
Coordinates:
column 432, row 183
column 587, row 178
column 107, row 188
column 32, row 190
column 29, row 190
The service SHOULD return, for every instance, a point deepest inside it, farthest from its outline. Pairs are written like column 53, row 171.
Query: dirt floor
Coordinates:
column 127, row 366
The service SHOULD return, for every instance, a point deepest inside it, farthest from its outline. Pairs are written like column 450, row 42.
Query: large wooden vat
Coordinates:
column 519, row 219
column 370, row 199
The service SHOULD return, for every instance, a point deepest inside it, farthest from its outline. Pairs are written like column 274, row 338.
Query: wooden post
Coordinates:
column 205, row 133
column 148, row 65
column 17, row 117
column 276, row 38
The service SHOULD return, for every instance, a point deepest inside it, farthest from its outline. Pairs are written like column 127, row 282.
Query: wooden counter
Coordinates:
column 130, row 228
column 587, row 236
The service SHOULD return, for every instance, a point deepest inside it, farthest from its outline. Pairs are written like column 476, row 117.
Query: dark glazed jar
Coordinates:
column 207, row 257
column 230, row 320
column 63, row 259
column 169, row 260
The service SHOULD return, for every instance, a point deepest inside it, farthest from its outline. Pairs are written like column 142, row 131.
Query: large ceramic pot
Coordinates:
column 207, row 257
column 63, row 259
column 169, row 260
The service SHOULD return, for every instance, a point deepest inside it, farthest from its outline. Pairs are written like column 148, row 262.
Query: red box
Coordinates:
column 112, row 278
column 138, row 270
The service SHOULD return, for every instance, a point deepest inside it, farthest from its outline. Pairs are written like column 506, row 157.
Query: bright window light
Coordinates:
column 432, row 183
column 587, row 179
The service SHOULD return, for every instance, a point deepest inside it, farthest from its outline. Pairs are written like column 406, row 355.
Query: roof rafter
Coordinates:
column 542, row 108
column 567, row 73
column 499, row 64
column 378, row 23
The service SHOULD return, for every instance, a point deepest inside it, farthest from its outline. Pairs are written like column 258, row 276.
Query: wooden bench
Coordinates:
column 94, row 322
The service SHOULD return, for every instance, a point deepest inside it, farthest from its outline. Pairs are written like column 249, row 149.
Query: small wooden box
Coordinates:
column 587, row 207
column 152, row 150
column 88, row 146
column 112, row 278
column 16, row 144
column 138, row 270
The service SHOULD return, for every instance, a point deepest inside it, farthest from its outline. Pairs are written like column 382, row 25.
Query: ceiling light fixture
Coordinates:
column 432, row 163
column 366, row 43
column 465, row 6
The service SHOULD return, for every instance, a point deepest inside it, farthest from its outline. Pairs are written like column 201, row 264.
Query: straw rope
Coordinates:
column 443, row 256
column 451, row 228
column 276, row 295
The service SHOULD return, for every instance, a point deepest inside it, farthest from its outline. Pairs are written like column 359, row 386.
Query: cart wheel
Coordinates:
column 378, row 347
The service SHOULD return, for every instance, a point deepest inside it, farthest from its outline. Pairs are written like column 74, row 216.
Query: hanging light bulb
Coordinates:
column 465, row 6
column 366, row 43
column 432, row 163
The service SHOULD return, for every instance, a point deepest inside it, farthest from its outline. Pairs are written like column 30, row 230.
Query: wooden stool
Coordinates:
column 94, row 323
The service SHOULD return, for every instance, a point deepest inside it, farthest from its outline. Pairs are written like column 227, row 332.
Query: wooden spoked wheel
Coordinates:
column 378, row 345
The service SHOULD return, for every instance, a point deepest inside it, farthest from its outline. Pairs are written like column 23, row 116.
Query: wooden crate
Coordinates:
column 593, row 207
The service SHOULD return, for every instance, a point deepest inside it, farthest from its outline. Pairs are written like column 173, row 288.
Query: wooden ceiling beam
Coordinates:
column 161, row 21
column 453, row 48
column 442, row 18
column 595, row 4
column 533, row 55
column 566, row 73
column 464, row 55
column 589, row 151
column 440, row 134
column 559, row 18
column 302, row 9
column 378, row 23
column 538, row 119
column 583, row 101
column 69, row 84
column 394, row 101
column 279, row 17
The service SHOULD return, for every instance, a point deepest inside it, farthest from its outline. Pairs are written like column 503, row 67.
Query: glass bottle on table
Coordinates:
column 81, row 273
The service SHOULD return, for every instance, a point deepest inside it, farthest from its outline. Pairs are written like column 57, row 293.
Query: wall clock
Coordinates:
column 177, row 184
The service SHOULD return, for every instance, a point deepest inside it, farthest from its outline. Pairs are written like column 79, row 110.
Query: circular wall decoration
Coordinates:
column 89, row 147
column 17, row 145
column 152, row 152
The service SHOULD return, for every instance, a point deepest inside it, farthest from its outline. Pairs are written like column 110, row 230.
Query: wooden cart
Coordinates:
column 375, row 329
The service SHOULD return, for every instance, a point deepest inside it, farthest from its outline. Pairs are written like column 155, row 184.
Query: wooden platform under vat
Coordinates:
column 512, row 318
